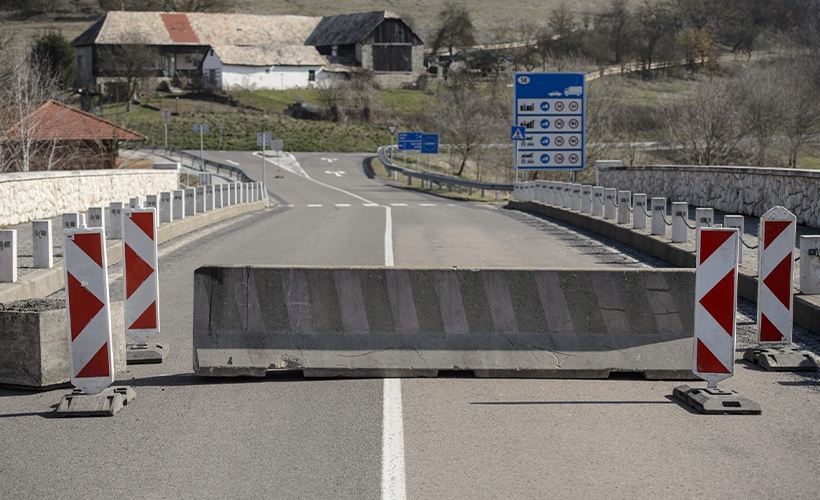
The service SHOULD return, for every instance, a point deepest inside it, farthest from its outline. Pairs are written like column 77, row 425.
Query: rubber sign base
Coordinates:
column 781, row 359
column 143, row 354
column 716, row 401
column 105, row 404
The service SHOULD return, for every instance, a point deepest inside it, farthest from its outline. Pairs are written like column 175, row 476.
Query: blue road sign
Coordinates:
column 410, row 141
column 518, row 133
column 550, row 107
column 429, row 144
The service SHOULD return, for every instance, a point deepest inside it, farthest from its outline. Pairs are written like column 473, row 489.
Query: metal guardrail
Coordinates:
column 230, row 169
column 441, row 180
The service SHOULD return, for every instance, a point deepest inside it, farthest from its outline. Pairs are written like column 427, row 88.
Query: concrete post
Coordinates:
column 576, row 197
column 639, row 210
column 71, row 221
column 597, row 201
column 96, row 217
column 190, row 201
column 42, row 242
column 680, row 214
column 166, row 204
column 810, row 265
column 135, row 202
column 178, row 205
column 209, row 197
column 610, row 200
column 738, row 222
column 8, row 255
column 566, row 201
column 624, row 206
column 704, row 217
column 586, row 199
column 200, row 199
column 658, row 215
column 115, row 220
column 226, row 195
column 217, row 196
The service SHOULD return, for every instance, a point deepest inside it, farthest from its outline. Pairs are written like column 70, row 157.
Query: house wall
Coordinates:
column 85, row 65
column 393, row 79
column 257, row 78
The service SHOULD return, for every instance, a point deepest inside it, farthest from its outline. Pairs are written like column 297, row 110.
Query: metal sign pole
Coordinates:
column 264, row 170
column 166, row 135
column 201, row 154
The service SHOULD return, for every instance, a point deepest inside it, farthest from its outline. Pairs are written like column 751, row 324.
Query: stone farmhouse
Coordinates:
column 229, row 52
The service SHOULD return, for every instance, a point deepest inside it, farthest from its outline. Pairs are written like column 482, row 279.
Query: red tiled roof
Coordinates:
column 179, row 28
column 57, row 121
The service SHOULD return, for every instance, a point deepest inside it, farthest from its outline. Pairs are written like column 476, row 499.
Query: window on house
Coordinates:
column 311, row 75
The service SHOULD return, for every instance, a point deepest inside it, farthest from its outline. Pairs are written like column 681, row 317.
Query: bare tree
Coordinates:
column 455, row 29
column 617, row 26
column 801, row 108
column 762, row 108
column 133, row 61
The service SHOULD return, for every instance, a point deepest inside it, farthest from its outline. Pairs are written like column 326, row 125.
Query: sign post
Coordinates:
column 264, row 139
column 166, row 117
column 201, row 128
column 392, row 129
column 277, row 145
column 409, row 141
column 429, row 146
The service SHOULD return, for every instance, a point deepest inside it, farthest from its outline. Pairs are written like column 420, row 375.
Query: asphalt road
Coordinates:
column 187, row 437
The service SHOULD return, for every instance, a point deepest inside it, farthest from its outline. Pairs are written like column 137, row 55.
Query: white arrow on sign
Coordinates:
column 337, row 173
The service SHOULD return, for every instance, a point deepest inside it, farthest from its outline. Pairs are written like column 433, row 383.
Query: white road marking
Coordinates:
column 232, row 162
column 314, row 205
column 343, row 204
column 451, row 204
column 370, row 205
column 398, row 204
column 337, row 173
column 388, row 238
column 427, row 204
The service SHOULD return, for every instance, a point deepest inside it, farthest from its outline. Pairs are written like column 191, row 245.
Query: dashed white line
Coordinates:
column 314, row 205
column 427, row 204
column 370, row 205
column 398, row 204
column 343, row 204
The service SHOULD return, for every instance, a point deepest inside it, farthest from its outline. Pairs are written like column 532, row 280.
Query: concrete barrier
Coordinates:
column 388, row 322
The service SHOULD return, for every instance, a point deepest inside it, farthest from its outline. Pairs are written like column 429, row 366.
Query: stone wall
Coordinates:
column 30, row 196
column 735, row 190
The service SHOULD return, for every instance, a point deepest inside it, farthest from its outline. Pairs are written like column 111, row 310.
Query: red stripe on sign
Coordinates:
column 773, row 230
column 144, row 221
column 91, row 245
column 720, row 301
column 136, row 271
column 711, row 241
column 97, row 366
column 779, row 281
column 84, row 306
column 769, row 332
column 708, row 362
column 147, row 320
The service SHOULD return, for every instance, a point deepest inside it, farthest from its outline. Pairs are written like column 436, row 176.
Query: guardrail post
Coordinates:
column 576, row 197
column 586, row 199
column 680, row 214
column 96, row 217
column 810, row 265
column 115, row 220
column 610, row 199
column 658, row 216
column 42, row 243
column 639, row 210
column 624, row 206
column 704, row 217
column 598, row 201
column 166, row 207
column 8, row 256
column 737, row 221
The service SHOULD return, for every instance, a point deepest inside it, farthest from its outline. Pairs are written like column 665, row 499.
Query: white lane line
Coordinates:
column 427, row 204
column 451, row 204
column 232, row 162
column 343, row 204
column 314, row 205
column 370, row 205
column 394, row 486
column 398, row 204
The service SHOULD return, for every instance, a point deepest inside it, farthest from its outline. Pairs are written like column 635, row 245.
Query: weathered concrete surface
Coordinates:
column 34, row 343
column 363, row 322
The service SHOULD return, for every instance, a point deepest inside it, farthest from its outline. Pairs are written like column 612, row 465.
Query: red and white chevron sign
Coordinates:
column 778, row 228
column 140, row 270
column 715, row 305
column 89, row 317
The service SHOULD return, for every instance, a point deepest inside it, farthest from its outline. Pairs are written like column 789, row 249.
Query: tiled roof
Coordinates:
column 57, row 121
column 280, row 55
column 346, row 29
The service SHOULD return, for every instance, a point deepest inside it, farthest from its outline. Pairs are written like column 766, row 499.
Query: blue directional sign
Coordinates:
column 518, row 133
column 429, row 144
column 551, row 109
column 410, row 141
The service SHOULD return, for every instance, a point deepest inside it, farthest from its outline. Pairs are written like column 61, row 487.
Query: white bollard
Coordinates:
column 200, row 199
column 624, row 206
column 598, row 201
column 135, row 202
column 8, row 256
column 610, row 202
column 659, row 216
column 232, row 193
column 586, row 199
column 226, row 199
column 96, row 217
column 576, row 197
column 42, row 242
column 704, row 217
column 178, row 205
column 71, row 221
column 639, row 211
column 550, row 199
column 115, row 221
column 810, row 265
column 190, row 201
column 217, row 196
column 166, row 207
column 680, row 214
column 209, row 197
column 737, row 222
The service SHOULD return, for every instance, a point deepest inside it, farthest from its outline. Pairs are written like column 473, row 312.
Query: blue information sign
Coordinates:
column 410, row 141
column 429, row 144
column 551, row 108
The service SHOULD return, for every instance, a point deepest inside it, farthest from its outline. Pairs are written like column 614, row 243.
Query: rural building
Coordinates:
column 56, row 136
column 376, row 41
column 224, row 52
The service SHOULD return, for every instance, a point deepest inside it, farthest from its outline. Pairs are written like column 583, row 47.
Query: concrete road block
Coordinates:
column 8, row 255
column 135, row 202
column 42, row 243
column 96, row 217
column 566, row 199
column 166, row 206
column 115, row 221
column 210, row 204
column 576, row 197
column 178, row 205
column 190, row 201
column 218, row 195
column 624, row 207
column 810, row 265
column 680, row 217
column 639, row 211
column 610, row 203
column 200, row 199
column 386, row 322
column 586, row 199
column 736, row 221
column 598, row 201
column 70, row 220
column 659, row 216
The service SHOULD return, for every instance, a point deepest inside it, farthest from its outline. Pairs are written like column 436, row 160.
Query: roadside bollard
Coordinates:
column 190, row 201
column 8, row 256
column 704, row 217
column 70, row 220
column 550, row 199
column 178, row 204
column 166, row 206
column 115, row 220
column 96, row 217
column 200, row 199
column 737, row 221
column 610, row 203
column 135, row 202
column 624, row 206
column 659, row 216
column 217, row 196
column 566, row 201
column 209, row 197
column 42, row 240
column 598, row 201
column 639, row 211
column 810, row 265
column 226, row 195
column 586, row 199
column 576, row 197
column 680, row 215
column 152, row 201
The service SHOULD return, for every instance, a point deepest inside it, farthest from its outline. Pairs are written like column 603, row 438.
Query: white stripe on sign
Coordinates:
column 84, row 266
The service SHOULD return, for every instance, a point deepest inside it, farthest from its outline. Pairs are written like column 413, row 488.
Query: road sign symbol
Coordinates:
column 573, row 141
column 573, row 123
column 559, row 123
column 202, row 127
column 392, row 129
column 545, row 123
column 573, row 158
column 277, row 145
column 545, row 141
column 523, row 80
column 545, row 158
column 410, row 141
column 559, row 158
column 559, row 141
column 165, row 114
column 429, row 144
column 545, row 106
column 518, row 133
column 559, row 106
column 573, row 106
